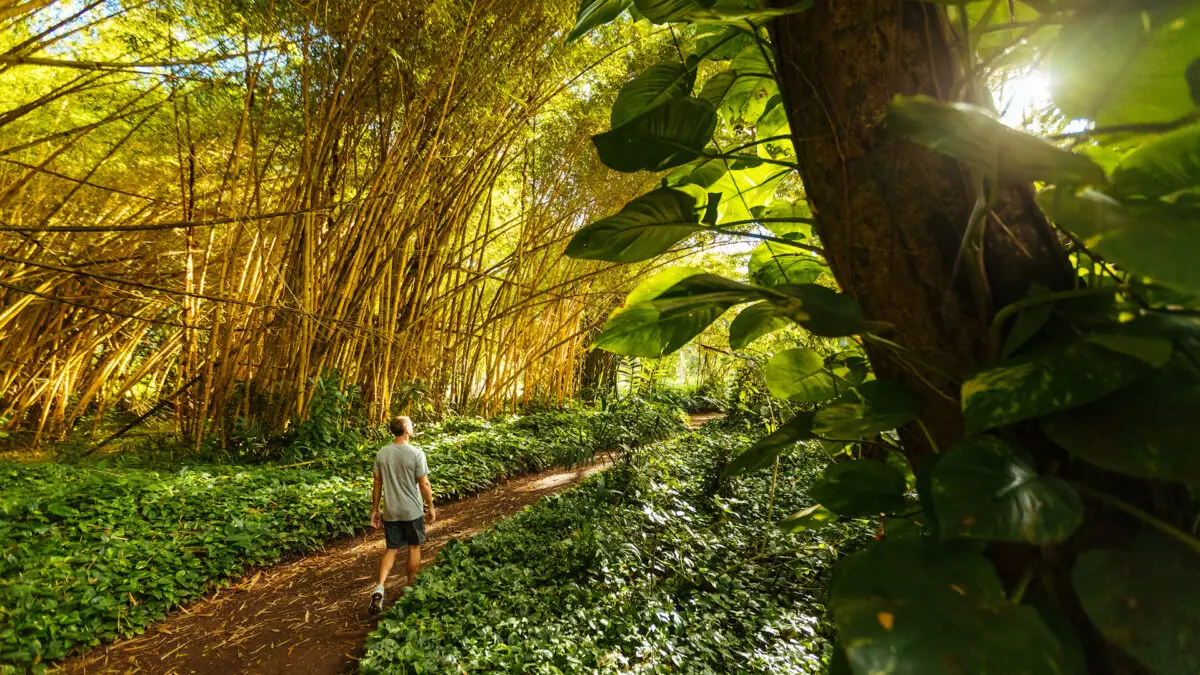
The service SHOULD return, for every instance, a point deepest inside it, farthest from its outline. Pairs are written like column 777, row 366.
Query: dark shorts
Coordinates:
column 404, row 532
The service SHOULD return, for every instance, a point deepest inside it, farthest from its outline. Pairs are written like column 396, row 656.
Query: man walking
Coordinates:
column 400, row 472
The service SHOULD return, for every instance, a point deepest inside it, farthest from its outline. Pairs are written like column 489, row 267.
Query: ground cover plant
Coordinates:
column 88, row 554
column 657, row 565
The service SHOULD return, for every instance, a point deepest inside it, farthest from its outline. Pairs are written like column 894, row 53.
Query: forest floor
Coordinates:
column 309, row 615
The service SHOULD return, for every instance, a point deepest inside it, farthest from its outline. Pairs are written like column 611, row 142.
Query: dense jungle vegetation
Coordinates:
column 936, row 262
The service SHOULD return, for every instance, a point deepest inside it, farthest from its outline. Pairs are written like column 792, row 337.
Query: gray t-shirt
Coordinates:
column 400, row 465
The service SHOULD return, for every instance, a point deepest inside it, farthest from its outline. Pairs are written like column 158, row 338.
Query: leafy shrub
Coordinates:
column 88, row 554
column 639, row 569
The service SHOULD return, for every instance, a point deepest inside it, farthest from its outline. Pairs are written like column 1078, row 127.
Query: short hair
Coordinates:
column 400, row 425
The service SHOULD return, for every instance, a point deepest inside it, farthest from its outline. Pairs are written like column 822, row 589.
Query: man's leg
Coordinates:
column 385, row 564
column 414, row 563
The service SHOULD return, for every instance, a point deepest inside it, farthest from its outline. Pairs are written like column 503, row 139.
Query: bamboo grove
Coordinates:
column 204, row 205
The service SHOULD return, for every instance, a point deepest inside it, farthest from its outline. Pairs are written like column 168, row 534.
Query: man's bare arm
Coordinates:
column 376, row 492
column 427, row 495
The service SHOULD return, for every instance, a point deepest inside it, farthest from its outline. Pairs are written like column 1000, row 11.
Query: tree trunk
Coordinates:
column 891, row 214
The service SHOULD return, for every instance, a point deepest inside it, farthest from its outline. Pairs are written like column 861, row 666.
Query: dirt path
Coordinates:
column 309, row 615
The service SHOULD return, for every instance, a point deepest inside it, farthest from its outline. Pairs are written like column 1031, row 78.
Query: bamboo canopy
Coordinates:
column 208, row 204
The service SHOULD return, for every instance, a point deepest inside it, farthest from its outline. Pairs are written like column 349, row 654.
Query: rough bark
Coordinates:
column 891, row 214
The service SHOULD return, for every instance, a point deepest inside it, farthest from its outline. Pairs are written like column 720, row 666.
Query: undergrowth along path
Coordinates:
column 309, row 615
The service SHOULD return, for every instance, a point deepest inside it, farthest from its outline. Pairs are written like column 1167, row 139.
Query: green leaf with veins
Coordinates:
column 881, row 405
column 1147, row 431
column 647, row 227
column 717, row 87
column 1167, row 164
column 860, row 488
column 1145, row 600
column 594, row 13
column 971, row 135
column 773, row 264
column 985, row 489
column 912, row 605
column 822, row 311
column 799, row 375
column 654, row 328
column 663, row 137
column 1126, row 66
column 1045, row 381
column 754, row 322
column 703, row 172
column 1149, row 238
column 656, row 85
column 747, row 98
column 763, row 453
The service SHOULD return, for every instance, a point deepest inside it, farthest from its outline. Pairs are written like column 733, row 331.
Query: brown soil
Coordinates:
column 309, row 615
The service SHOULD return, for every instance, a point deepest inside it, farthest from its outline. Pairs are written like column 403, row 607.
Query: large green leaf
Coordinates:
column 884, row 405
column 972, row 136
column 772, row 125
column 763, row 453
column 984, row 489
column 594, row 13
column 746, row 100
column 1045, row 381
column 1123, row 66
column 663, row 137
column 1149, row 238
column 911, row 605
column 860, row 488
column 799, row 375
column 717, row 42
column 717, row 87
column 1146, row 600
column 789, row 220
column 653, row 328
column 1148, row 430
column 703, row 172
column 656, row 85
column 774, row 264
column 713, row 11
column 850, row 366
column 745, row 189
column 822, row 311
column 657, row 284
column 754, row 322
column 1167, row 164
column 648, row 226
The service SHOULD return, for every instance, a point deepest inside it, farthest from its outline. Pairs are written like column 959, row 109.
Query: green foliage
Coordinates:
column 1106, row 367
column 638, row 568
column 1045, row 381
column 860, row 488
column 972, row 136
column 1146, row 237
column 1147, row 431
column 985, row 489
column 1146, row 600
column 663, row 137
column 936, row 608
column 88, row 555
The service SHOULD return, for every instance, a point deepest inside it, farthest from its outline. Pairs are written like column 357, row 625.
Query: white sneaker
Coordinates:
column 376, row 600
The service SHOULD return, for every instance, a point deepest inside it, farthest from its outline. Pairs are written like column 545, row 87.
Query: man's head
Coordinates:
column 400, row 426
